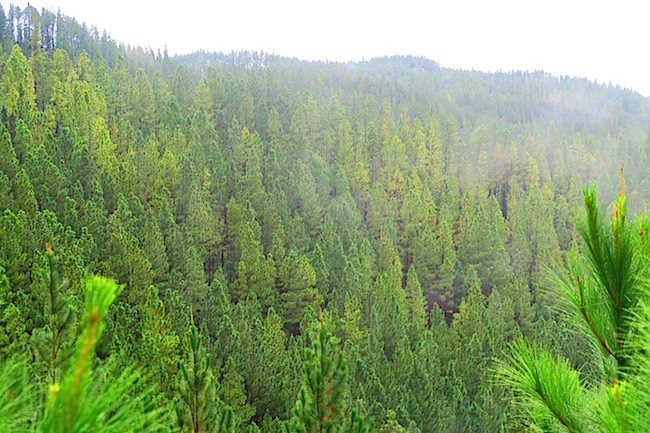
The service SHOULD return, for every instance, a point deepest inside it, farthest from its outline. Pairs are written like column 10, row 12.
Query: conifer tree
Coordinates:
column 159, row 344
column 5, row 33
column 446, row 255
column 271, row 373
column 15, row 238
column 321, row 405
column 24, row 196
column 233, row 393
column 53, row 342
column 481, row 241
column 154, row 248
column 298, row 289
column 416, row 304
column 349, row 327
column 197, row 409
column 8, row 159
column 17, row 86
column 389, row 311
column 243, row 185
column 255, row 272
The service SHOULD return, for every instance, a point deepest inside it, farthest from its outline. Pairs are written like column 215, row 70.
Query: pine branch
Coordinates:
column 589, row 322
column 546, row 387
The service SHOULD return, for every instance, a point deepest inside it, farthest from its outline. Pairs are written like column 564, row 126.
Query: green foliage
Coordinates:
column 81, row 402
column 197, row 409
column 320, row 406
column 253, row 190
column 12, row 325
column 275, row 382
column 17, row 86
column 612, row 279
column 416, row 305
column 225, row 422
column 232, row 392
column 16, row 398
column 549, row 390
column 298, row 288
column 159, row 346
column 255, row 273
column 53, row 343
column 625, row 404
column 605, row 293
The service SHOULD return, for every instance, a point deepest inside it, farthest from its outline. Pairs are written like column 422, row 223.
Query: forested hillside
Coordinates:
column 385, row 226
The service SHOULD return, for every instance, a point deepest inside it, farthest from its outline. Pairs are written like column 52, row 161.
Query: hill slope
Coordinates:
column 418, row 205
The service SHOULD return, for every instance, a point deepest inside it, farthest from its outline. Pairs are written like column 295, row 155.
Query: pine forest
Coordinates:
column 252, row 243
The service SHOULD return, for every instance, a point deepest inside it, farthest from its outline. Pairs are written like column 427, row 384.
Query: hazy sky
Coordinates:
column 607, row 41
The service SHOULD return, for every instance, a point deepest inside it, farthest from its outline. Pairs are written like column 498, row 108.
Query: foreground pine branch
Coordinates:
column 606, row 295
column 83, row 401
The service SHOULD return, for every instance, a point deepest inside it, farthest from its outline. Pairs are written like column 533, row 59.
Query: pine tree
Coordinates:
column 271, row 381
column 17, row 86
column 5, row 33
column 481, row 241
column 159, row 345
column 125, row 259
column 53, row 343
column 16, row 239
column 24, row 196
column 198, row 408
column 298, row 289
column 233, row 393
column 321, row 404
column 392, row 425
column 389, row 311
column 154, row 248
column 448, row 262
column 8, row 159
column 255, row 273
column 349, row 327
column 416, row 304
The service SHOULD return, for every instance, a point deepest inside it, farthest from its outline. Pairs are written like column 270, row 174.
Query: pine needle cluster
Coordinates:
column 605, row 293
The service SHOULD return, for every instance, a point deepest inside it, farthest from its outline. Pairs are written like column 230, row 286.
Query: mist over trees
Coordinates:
column 303, row 246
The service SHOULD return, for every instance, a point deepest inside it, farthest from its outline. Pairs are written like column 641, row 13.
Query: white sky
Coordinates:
column 606, row 41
